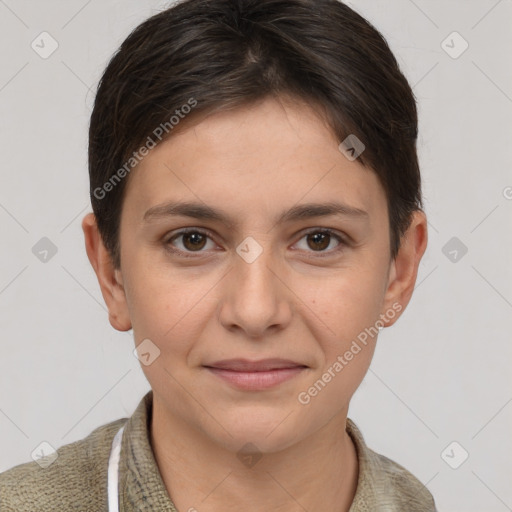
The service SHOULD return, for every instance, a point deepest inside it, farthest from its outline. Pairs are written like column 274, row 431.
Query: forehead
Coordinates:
column 260, row 156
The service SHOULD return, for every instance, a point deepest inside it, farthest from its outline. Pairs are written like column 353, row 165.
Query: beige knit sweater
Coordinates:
column 77, row 479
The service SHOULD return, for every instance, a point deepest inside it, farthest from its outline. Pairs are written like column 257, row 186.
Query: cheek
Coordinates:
column 343, row 323
column 168, row 307
column 346, row 304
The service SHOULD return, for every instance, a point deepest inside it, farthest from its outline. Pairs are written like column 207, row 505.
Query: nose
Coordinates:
column 256, row 299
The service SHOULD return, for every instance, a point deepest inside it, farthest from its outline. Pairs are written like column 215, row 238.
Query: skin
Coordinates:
column 290, row 302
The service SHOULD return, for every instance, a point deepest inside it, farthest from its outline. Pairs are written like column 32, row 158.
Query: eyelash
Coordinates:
column 190, row 254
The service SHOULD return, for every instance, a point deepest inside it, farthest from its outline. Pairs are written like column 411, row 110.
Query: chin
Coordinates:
column 268, row 433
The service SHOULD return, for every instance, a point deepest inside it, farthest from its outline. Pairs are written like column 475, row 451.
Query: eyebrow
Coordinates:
column 299, row 212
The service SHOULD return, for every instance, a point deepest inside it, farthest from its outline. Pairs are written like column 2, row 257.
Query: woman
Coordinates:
column 257, row 220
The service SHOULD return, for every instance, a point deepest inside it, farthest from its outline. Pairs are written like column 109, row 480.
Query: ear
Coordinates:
column 404, row 268
column 110, row 279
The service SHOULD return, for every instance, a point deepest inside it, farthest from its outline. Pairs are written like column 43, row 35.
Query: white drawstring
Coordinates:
column 113, row 472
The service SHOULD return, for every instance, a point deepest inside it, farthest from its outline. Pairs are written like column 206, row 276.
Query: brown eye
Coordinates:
column 192, row 241
column 320, row 239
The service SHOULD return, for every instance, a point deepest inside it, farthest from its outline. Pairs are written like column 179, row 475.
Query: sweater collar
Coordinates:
column 141, row 487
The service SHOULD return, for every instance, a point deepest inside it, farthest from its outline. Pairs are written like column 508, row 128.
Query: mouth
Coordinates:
column 255, row 375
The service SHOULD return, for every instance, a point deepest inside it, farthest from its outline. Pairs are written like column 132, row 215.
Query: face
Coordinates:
column 270, row 274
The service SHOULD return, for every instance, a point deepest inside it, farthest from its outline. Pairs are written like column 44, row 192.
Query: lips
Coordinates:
column 251, row 376
column 245, row 365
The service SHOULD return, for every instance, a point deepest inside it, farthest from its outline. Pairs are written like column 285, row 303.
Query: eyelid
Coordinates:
column 343, row 240
column 187, row 254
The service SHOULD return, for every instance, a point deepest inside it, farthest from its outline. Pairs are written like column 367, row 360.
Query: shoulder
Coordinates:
column 75, row 480
column 385, row 485
column 401, row 487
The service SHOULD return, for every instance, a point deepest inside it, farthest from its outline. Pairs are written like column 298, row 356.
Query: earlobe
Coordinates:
column 404, row 269
column 109, row 279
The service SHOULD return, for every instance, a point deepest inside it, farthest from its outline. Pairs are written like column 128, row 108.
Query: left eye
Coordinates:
column 320, row 239
column 195, row 240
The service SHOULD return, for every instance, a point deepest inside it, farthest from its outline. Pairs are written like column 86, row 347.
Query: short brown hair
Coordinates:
column 223, row 54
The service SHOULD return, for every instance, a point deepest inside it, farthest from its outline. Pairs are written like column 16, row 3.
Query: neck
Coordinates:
column 318, row 472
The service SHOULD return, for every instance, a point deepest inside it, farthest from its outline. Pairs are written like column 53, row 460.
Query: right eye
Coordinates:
column 193, row 241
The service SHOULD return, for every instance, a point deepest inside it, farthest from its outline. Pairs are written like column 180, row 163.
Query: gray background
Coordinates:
column 441, row 374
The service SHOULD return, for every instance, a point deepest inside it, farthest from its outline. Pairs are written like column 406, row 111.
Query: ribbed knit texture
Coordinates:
column 77, row 480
